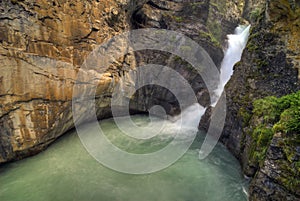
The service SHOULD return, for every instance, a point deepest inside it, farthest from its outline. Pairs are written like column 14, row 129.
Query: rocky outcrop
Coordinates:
column 278, row 176
column 269, row 67
column 271, row 148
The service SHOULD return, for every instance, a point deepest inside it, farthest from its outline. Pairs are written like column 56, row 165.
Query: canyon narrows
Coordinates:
column 43, row 48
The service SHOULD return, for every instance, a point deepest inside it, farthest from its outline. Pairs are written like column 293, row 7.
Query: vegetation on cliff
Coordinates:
column 272, row 115
column 278, row 115
column 262, row 125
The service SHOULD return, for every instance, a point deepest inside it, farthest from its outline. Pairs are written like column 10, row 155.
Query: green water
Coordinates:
column 66, row 172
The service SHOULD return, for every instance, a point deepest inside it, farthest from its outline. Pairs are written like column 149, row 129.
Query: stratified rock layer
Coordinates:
column 42, row 47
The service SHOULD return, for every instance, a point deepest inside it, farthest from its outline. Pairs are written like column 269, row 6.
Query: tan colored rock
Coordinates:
column 42, row 45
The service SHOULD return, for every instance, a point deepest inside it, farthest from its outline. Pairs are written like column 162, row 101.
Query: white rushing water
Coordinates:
column 233, row 54
column 190, row 117
column 236, row 44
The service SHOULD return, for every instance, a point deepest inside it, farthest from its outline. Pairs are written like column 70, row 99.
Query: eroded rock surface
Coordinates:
column 42, row 47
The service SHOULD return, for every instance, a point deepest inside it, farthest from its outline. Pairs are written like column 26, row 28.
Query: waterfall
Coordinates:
column 236, row 44
column 233, row 54
column 191, row 116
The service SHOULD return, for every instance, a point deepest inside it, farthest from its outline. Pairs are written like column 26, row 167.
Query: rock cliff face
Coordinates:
column 42, row 45
column 269, row 67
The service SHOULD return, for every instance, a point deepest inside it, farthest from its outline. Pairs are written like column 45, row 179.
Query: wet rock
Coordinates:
column 278, row 178
column 268, row 67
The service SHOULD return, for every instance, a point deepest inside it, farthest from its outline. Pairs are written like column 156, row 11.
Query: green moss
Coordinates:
column 178, row 19
column 196, row 4
column 186, row 64
column 210, row 37
column 252, row 35
column 216, row 30
column 274, row 115
column 290, row 117
column 217, row 11
column 218, row 5
column 251, row 46
column 214, row 4
column 177, row 58
column 245, row 115
column 289, row 120
column 170, row 16
column 290, row 173
column 260, row 63
column 262, row 136
column 256, row 14
column 289, row 152
column 283, row 112
column 267, row 108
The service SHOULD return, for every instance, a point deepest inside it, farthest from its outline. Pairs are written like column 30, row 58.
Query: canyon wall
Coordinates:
column 269, row 67
column 44, row 44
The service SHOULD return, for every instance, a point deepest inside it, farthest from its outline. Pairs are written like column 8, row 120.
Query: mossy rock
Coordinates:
column 210, row 37
column 271, row 115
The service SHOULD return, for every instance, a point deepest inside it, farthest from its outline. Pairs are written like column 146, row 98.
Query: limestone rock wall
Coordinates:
column 42, row 45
